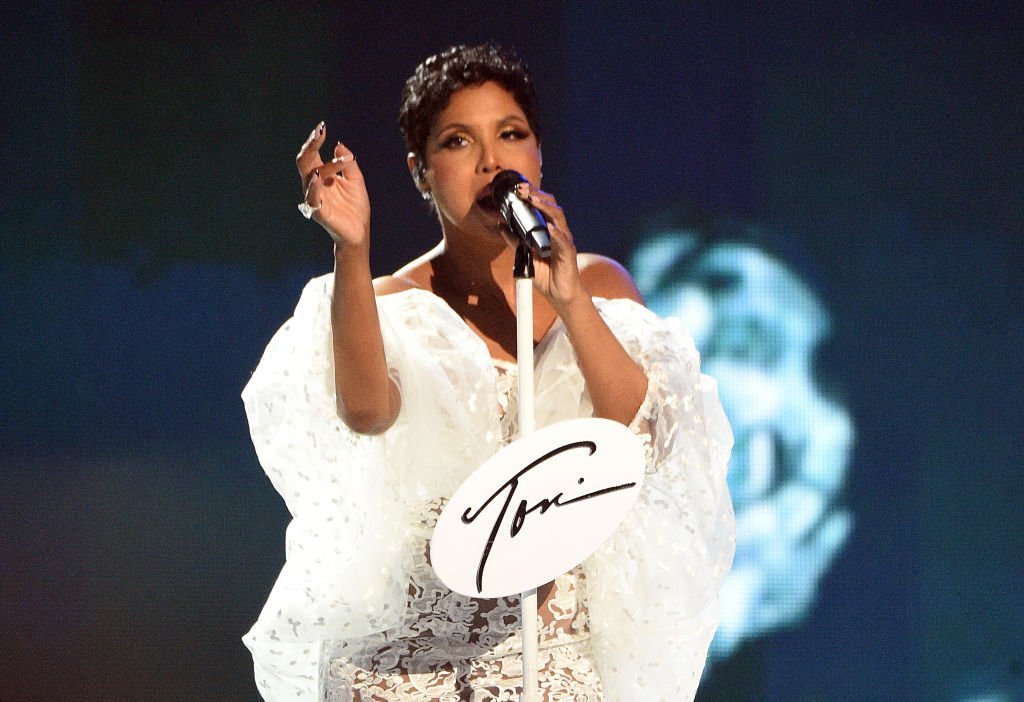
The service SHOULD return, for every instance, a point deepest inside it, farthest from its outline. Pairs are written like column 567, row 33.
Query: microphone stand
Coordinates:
column 523, row 272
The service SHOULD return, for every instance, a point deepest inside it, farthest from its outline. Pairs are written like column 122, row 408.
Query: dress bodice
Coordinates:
column 357, row 571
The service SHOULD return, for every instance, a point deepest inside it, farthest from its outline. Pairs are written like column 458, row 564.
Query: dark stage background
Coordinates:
column 151, row 246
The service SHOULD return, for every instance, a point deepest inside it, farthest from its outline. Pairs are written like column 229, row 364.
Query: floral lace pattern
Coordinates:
column 454, row 647
column 357, row 541
column 507, row 376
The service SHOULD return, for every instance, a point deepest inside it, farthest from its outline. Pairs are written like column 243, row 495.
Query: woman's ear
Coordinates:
column 416, row 170
column 418, row 173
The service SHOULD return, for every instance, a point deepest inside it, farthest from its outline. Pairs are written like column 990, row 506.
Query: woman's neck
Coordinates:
column 468, row 267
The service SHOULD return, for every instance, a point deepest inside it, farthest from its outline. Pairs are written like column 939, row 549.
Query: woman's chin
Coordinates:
column 491, row 219
column 491, row 214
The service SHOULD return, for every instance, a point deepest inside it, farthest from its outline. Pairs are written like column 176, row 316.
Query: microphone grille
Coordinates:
column 504, row 183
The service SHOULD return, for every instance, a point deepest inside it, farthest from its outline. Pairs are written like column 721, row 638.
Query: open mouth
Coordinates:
column 485, row 201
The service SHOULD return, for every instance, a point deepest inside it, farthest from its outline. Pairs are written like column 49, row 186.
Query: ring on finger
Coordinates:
column 307, row 210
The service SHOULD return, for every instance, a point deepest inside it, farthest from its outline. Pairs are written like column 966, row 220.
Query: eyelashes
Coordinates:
column 456, row 141
column 515, row 134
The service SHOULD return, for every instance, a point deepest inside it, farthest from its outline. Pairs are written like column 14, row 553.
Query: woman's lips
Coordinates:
column 484, row 199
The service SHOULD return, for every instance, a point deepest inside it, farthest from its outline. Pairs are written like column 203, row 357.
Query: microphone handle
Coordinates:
column 528, row 224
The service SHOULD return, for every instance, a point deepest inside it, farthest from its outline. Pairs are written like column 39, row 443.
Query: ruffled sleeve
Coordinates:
column 354, row 499
column 653, row 587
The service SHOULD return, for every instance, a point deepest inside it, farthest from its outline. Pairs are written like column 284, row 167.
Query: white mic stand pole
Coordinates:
column 523, row 273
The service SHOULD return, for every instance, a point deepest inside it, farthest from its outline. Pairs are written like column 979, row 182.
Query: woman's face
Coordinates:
column 481, row 131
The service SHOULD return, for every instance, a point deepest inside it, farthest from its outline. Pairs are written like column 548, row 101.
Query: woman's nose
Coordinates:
column 489, row 159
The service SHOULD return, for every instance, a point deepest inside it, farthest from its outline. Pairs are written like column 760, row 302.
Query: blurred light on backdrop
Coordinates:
column 757, row 325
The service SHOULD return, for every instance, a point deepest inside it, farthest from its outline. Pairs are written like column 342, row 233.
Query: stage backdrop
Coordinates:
column 831, row 198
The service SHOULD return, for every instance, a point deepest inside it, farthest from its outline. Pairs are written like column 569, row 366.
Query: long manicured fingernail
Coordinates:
column 321, row 127
column 316, row 172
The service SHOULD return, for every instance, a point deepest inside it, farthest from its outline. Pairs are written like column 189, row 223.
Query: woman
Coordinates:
column 374, row 402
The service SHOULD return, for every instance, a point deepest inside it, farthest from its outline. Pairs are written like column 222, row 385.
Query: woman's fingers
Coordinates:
column 558, row 277
column 312, row 199
column 335, row 195
column 543, row 201
column 323, row 175
column 551, row 210
column 308, row 158
column 342, row 165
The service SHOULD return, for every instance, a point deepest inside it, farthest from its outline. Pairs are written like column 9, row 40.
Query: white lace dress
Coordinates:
column 357, row 612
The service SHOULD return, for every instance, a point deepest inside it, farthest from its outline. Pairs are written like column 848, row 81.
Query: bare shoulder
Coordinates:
column 390, row 284
column 605, row 277
column 415, row 274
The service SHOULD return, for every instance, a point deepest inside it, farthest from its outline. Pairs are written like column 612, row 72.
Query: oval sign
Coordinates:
column 537, row 508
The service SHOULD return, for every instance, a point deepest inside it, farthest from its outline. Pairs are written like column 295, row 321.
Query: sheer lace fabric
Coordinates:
column 356, row 590
column 464, row 648
column 507, row 384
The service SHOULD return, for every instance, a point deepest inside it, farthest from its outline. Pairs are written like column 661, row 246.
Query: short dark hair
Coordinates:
column 431, row 86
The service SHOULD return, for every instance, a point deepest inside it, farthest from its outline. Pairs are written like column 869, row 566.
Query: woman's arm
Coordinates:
column 368, row 399
column 617, row 385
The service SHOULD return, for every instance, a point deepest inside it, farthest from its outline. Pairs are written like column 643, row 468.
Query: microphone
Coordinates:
column 525, row 220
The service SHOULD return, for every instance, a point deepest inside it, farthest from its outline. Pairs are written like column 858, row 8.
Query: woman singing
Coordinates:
column 380, row 396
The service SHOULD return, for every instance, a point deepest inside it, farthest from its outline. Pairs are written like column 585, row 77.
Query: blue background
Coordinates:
column 150, row 247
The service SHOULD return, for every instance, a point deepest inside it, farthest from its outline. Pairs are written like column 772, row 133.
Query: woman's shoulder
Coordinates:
column 414, row 275
column 391, row 284
column 605, row 277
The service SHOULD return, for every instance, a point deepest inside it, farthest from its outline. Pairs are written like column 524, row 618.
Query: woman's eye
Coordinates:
column 514, row 134
column 453, row 141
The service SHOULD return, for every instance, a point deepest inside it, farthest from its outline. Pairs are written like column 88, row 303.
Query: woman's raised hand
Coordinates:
column 335, row 194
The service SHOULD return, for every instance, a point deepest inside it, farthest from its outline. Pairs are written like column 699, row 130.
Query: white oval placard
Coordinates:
column 537, row 508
